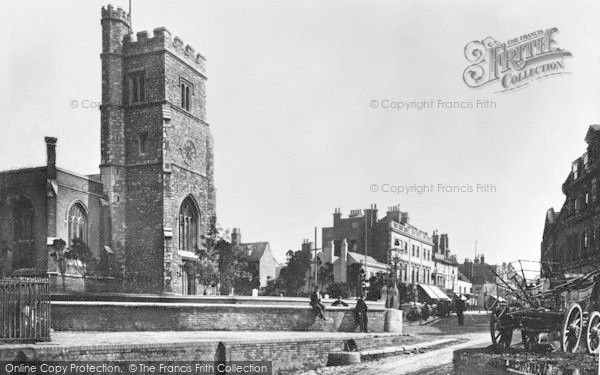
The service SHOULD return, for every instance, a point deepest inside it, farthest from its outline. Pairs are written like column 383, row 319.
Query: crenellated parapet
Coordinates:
column 161, row 40
column 110, row 13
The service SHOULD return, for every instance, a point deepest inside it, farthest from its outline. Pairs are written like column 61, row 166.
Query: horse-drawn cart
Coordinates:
column 559, row 306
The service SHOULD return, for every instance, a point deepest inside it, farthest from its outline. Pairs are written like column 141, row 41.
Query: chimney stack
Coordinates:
column 51, row 157
column 307, row 246
column 236, row 237
column 337, row 217
column 436, row 242
column 404, row 219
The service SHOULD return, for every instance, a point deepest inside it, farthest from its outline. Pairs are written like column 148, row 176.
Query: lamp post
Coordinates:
column 393, row 302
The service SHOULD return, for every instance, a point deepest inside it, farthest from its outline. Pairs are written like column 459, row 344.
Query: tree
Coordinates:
column 293, row 275
column 336, row 290
column 325, row 275
column 60, row 257
column 232, row 266
column 206, row 268
column 376, row 283
column 354, row 282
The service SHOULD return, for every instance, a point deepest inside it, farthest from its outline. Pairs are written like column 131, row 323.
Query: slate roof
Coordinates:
column 361, row 258
column 255, row 249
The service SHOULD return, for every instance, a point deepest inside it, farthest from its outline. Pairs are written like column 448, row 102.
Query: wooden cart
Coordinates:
column 567, row 309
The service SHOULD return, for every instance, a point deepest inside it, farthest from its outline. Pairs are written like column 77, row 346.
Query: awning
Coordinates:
column 434, row 292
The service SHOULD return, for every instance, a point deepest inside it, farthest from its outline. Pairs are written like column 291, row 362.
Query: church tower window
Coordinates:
column 137, row 87
column 188, row 226
column 186, row 90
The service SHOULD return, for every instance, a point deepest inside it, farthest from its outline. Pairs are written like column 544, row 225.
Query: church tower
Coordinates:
column 157, row 153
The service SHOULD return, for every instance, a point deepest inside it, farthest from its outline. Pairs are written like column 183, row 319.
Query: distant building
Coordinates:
column 463, row 285
column 379, row 245
column 479, row 272
column 482, row 293
column 259, row 255
column 485, row 279
column 445, row 273
column 391, row 238
column 572, row 235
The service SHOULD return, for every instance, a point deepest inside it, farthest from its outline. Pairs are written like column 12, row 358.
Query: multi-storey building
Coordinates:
column 154, row 196
column 380, row 243
column 480, row 272
column 571, row 236
column 445, row 273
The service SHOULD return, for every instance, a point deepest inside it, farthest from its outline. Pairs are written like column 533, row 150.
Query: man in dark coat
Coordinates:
column 316, row 304
column 360, row 314
column 459, row 306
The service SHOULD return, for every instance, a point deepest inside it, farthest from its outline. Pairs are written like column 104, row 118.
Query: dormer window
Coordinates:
column 137, row 87
column 186, row 92
column 575, row 168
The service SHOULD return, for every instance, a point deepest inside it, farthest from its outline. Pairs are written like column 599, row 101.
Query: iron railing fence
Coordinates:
column 24, row 310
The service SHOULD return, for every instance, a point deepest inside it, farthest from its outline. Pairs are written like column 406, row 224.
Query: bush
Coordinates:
column 339, row 290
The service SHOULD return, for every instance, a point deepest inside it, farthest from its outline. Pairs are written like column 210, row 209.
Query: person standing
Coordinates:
column 360, row 314
column 316, row 303
column 459, row 306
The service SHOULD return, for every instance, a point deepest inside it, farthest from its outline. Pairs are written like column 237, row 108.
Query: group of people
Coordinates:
column 360, row 310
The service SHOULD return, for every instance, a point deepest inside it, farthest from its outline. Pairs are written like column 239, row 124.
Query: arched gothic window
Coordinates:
column 78, row 223
column 188, row 226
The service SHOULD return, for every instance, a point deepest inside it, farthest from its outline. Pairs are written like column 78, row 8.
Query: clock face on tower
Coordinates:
column 189, row 152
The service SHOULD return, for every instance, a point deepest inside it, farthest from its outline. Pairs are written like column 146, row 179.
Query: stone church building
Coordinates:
column 143, row 215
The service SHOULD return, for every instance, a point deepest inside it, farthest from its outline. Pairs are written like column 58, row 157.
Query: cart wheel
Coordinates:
column 530, row 340
column 571, row 329
column 592, row 336
column 501, row 329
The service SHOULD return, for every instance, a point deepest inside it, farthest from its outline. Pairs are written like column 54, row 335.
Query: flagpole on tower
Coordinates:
column 131, row 28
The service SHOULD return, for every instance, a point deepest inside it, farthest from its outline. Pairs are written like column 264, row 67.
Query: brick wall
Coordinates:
column 147, row 316
column 28, row 184
column 286, row 354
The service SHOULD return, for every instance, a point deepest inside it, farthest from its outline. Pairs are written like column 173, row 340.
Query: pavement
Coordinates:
column 83, row 339
column 422, row 332
column 433, row 343
column 431, row 359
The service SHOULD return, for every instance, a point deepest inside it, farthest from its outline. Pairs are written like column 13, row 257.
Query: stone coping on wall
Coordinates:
column 129, row 297
column 208, row 305
column 64, row 340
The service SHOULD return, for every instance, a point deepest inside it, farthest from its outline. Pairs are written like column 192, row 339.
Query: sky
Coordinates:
column 290, row 93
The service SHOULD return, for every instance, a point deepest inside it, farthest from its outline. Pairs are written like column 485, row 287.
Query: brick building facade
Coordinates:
column 391, row 238
column 572, row 235
column 155, row 194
